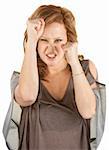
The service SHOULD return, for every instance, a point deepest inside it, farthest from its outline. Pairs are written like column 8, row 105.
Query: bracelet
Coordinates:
column 77, row 74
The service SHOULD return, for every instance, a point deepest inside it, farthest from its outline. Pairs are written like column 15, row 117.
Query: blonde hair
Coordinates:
column 50, row 14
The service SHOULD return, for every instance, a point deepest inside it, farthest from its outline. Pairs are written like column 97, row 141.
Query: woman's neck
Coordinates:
column 58, row 74
column 53, row 70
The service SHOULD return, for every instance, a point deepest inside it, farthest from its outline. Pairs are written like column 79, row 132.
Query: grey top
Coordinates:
column 49, row 124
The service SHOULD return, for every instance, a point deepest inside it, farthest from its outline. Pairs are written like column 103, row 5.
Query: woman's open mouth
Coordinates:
column 51, row 56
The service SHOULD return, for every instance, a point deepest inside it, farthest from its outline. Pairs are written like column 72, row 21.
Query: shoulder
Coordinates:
column 93, row 69
column 15, row 73
column 88, row 65
column 90, row 71
column 15, row 76
column 93, row 72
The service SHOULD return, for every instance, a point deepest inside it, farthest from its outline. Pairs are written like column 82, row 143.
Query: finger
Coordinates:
column 40, row 25
column 33, row 20
column 65, row 49
column 71, row 45
column 68, row 44
column 36, row 21
column 27, row 22
column 75, row 45
column 42, row 22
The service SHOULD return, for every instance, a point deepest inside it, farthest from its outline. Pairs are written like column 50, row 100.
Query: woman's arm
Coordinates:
column 27, row 90
column 84, row 96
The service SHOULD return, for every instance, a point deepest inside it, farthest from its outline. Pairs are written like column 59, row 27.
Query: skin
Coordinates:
column 52, row 41
column 27, row 89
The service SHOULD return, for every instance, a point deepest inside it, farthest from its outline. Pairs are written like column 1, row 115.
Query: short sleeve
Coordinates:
column 12, row 120
column 16, row 112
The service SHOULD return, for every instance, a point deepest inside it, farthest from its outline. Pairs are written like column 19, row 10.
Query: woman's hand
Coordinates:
column 71, row 52
column 35, row 29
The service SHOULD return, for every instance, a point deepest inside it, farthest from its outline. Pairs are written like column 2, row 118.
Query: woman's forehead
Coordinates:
column 54, row 29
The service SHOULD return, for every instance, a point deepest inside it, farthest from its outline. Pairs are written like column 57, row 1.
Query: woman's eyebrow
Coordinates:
column 51, row 38
column 43, row 37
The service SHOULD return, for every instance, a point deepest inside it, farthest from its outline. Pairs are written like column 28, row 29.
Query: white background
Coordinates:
column 92, row 27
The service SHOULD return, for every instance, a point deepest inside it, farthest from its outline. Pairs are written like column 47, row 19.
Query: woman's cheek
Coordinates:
column 41, row 48
column 58, row 48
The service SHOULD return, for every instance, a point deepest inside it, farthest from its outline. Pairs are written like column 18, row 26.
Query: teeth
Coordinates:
column 51, row 55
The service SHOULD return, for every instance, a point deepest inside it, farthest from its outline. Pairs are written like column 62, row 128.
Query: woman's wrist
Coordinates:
column 31, row 45
column 74, row 61
column 78, row 74
column 76, row 68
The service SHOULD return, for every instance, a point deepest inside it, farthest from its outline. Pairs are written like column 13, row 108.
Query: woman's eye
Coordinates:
column 43, row 40
column 58, row 40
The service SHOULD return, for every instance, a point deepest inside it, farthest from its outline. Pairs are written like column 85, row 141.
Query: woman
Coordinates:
column 55, row 88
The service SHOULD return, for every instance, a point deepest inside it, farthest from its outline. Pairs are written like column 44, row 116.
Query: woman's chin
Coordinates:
column 51, row 61
column 51, row 64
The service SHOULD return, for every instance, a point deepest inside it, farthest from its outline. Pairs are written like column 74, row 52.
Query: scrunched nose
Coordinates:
column 51, row 49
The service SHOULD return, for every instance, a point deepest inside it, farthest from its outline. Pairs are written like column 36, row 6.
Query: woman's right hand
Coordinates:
column 35, row 29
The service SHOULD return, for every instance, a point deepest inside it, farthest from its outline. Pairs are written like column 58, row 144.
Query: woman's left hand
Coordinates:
column 71, row 52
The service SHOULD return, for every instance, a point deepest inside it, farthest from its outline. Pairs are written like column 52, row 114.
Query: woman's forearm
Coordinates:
column 84, row 96
column 29, row 80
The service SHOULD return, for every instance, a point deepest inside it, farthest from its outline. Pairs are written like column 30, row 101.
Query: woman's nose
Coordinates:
column 51, row 48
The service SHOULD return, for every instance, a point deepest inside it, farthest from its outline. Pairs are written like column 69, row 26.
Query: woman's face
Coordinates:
column 50, row 44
